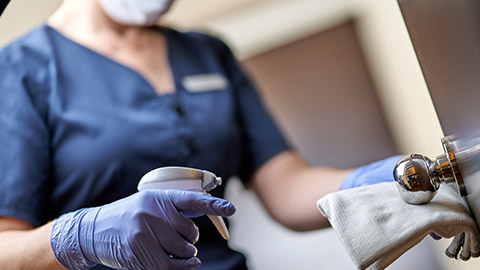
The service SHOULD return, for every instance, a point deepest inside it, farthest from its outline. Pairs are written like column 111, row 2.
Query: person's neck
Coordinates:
column 86, row 22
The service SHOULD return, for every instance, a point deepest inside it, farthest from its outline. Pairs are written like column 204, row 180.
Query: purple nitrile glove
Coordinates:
column 373, row 173
column 146, row 230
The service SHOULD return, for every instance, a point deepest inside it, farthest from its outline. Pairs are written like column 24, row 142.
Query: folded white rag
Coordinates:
column 376, row 226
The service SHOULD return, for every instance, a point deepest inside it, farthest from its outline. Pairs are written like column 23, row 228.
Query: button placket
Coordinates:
column 178, row 109
column 190, row 145
column 186, row 139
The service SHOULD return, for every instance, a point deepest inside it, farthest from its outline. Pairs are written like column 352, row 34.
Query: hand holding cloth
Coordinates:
column 376, row 226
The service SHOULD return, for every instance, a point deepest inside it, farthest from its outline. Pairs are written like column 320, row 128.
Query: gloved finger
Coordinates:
column 180, row 249
column 183, row 264
column 175, row 245
column 178, row 237
column 160, row 238
column 190, row 233
column 202, row 203
column 185, row 227
column 435, row 236
column 455, row 246
column 474, row 245
column 192, row 214
column 465, row 253
column 160, row 213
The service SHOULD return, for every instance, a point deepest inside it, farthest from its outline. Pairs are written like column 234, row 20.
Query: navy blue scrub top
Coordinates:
column 79, row 130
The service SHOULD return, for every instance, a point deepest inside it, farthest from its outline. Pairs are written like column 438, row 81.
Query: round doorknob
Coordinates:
column 419, row 178
column 415, row 182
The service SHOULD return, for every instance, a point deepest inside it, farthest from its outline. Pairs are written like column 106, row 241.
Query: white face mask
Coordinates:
column 135, row 12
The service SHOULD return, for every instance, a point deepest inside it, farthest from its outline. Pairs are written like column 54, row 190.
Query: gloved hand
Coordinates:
column 146, row 230
column 373, row 173
column 463, row 246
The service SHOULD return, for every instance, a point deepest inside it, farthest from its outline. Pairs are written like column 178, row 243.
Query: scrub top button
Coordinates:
column 190, row 144
column 178, row 109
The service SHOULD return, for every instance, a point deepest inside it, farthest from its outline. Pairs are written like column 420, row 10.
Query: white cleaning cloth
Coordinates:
column 376, row 226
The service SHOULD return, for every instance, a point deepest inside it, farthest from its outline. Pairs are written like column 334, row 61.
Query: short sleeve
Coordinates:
column 260, row 133
column 24, row 141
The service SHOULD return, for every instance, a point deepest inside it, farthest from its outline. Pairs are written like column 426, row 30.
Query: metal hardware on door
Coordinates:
column 419, row 178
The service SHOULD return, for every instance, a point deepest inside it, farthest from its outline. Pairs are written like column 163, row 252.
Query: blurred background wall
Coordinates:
column 342, row 80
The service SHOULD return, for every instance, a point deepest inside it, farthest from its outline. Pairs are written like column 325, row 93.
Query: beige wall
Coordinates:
column 320, row 91
column 188, row 13
column 397, row 74
column 21, row 15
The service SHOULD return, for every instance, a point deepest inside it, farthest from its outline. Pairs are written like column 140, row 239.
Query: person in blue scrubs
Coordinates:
column 98, row 96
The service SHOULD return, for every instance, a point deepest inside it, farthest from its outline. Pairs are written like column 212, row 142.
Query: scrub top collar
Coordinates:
column 177, row 73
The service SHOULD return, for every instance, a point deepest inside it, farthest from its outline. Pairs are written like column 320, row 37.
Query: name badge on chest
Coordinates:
column 204, row 82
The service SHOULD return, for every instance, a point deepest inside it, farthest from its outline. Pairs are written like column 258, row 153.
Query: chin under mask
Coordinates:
column 135, row 12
